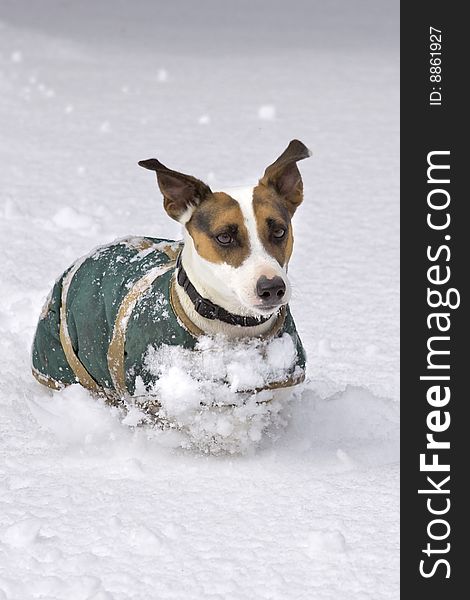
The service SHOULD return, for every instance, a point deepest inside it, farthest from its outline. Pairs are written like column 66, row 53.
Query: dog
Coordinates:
column 227, row 277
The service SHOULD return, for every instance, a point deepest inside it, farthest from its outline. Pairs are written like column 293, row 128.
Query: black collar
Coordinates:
column 208, row 309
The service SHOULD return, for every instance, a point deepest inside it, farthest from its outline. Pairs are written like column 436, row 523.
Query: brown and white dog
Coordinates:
column 237, row 244
column 133, row 317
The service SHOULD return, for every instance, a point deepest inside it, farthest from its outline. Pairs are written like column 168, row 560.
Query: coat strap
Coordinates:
column 116, row 356
column 80, row 372
column 46, row 380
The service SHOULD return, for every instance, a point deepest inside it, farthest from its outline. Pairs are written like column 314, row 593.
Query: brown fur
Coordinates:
column 219, row 213
column 284, row 176
column 179, row 190
column 271, row 213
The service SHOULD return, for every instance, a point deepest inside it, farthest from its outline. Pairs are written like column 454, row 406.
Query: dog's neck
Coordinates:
column 215, row 326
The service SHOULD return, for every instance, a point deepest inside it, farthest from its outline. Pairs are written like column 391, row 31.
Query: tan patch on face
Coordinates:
column 272, row 215
column 219, row 214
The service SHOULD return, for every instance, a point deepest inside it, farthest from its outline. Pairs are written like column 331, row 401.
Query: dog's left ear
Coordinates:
column 180, row 191
column 284, row 176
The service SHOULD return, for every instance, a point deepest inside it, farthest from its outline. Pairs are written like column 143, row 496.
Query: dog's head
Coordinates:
column 238, row 243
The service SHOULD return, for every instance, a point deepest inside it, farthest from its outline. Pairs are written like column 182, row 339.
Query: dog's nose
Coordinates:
column 272, row 290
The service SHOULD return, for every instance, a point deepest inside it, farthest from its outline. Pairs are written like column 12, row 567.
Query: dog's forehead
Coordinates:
column 216, row 210
column 242, row 195
column 234, row 205
column 261, row 207
column 257, row 202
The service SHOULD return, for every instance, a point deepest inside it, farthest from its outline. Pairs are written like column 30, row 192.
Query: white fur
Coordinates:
column 233, row 288
column 259, row 262
column 188, row 213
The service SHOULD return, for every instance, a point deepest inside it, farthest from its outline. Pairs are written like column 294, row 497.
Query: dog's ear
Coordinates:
column 284, row 176
column 180, row 191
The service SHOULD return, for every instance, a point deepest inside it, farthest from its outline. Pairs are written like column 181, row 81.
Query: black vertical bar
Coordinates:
column 425, row 128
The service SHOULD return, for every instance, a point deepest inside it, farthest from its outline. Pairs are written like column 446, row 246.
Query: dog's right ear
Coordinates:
column 180, row 192
column 284, row 176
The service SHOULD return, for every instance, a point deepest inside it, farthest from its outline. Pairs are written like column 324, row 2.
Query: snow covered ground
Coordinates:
column 93, row 509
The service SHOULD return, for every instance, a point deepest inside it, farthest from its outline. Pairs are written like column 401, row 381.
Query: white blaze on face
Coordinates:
column 234, row 288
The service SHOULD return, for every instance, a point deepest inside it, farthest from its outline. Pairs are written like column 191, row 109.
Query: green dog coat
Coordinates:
column 109, row 307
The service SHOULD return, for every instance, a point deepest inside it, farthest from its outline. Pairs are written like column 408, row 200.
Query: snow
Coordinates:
column 162, row 75
column 207, row 395
column 267, row 112
column 93, row 506
column 241, row 365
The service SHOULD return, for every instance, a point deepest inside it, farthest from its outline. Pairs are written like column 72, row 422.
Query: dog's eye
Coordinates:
column 279, row 233
column 224, row 238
